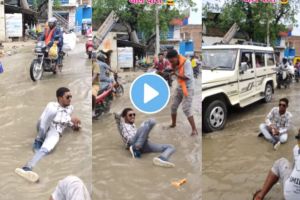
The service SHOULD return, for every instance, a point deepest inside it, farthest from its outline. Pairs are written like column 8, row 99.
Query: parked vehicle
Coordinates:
column 234, row 75
column 89, row 47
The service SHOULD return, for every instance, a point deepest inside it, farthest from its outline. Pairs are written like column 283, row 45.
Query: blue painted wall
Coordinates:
column 186, row 48
column 83, row 12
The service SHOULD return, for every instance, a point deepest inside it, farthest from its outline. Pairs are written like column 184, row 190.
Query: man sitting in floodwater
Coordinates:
column 70, row 188
column 287, row 173
column 137, row 139
column 55, row 118
column 277, row 124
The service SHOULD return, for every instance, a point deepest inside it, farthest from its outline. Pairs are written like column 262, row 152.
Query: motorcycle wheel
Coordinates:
column 35, row 73
column 119, row 91
column 90, row 55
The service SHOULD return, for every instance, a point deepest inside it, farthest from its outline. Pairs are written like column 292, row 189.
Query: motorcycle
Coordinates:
column 89, row 46
column 103, row 100
column 42, row 62
column 118, row 88
column 283, row 77
column 166, row 74
column 105, row 96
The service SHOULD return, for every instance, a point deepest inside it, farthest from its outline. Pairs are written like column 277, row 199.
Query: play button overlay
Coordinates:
column 149, row 93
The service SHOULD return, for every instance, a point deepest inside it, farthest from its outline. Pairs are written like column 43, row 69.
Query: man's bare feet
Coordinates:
column 172, row 126
column 194, row 133
column 257, row 195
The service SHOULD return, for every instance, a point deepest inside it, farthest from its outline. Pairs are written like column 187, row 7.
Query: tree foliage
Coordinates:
column 56, row 4
column 140, row 17
column 253, row 18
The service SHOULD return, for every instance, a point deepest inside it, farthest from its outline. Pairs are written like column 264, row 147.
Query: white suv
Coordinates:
column 234, row 75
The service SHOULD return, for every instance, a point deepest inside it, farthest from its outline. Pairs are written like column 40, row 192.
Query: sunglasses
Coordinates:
column 131, row 114
column 69, row 97
column 283, row 105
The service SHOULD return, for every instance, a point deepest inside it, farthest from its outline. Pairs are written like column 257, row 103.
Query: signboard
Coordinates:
column 125, row 57
column 14, row 25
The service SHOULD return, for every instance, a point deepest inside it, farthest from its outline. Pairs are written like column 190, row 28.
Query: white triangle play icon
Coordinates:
column 149, row 93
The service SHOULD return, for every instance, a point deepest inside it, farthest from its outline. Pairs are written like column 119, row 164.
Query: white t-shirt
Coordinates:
column 292, row 184
column 71, row 188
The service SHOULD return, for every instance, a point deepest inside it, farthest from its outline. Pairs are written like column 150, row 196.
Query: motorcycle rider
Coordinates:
column 163, row 68
column 105, row 70
column 161, row 64
column 52, row 34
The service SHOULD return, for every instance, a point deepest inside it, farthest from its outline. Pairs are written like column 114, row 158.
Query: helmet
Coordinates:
column 52, row 22
column 101, row 57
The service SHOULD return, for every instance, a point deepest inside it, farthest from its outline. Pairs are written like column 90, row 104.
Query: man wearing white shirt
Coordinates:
column 275, row 129
column 55, row 118
column 286, row 172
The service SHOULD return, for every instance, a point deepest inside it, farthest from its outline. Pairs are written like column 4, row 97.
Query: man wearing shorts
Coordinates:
column 55, row 118
column 185, row 91
column 137, row 139
column 286, row 172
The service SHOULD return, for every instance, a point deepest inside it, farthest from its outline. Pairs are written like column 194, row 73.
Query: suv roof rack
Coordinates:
column 255, row 43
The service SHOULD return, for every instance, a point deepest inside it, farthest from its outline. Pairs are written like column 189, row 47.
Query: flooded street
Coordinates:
column 236, row 162
column 22, row 102
column 116, row 175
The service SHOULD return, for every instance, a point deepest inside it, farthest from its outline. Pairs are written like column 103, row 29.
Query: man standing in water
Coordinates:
column 288, row 173
column 277, row 124
column 185, row 91
column 137, row 139
column 55, row 118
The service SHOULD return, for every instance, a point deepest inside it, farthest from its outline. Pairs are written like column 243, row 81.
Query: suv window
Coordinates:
column 246, row 57
column 270, row 59
column 219, row 59
column 259, row 59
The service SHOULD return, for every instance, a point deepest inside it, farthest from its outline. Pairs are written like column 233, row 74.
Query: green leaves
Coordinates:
column 253, row 18
column 141, row 17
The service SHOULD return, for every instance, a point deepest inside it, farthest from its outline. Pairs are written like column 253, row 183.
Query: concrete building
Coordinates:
column 192, row 39
column 294, row 42
column 2, row 21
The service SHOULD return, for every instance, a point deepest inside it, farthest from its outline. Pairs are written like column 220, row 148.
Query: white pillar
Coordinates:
column 2, row 21
column 50, row 6
column 157, row 46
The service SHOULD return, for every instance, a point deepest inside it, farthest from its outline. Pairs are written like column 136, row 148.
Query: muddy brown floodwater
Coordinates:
column 116, row 175
column 21, row 104
column 236, row 161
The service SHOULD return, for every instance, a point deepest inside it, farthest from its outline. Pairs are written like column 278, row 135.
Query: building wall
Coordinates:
column 295, row 42
column 208, row 40
column 195, row 32
column 2, row 22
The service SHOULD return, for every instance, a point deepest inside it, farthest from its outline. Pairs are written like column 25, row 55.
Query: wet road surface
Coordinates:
column 21, row 103
column 236, row 162
column 116, row 175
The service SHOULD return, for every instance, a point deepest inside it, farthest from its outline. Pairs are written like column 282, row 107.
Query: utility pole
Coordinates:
column 268, row 32
column 50, row 6
column 157, row 46
column 2, row 21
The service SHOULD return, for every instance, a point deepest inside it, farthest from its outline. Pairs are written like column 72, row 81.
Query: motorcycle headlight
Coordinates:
column 38, row 49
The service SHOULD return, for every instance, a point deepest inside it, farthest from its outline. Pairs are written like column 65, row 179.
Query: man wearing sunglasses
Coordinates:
column 55, row 118
column 137, row 139
column 277, row 124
